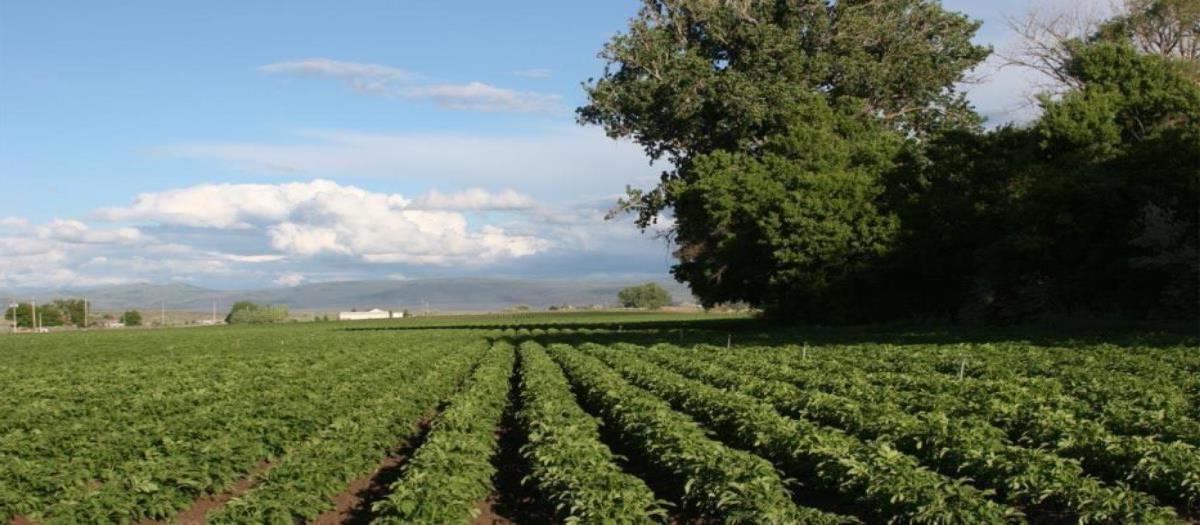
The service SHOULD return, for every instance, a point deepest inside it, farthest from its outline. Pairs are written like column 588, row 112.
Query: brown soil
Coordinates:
column 512, row 500
column 353, row 505
column 196, row 514
column 487, row 513
column 21, row 520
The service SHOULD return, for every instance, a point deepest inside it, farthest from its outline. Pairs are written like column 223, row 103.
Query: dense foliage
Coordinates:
column 131, row 318
column 650, row 296
column 56, row 313
column 246, row 312
column 824, row 168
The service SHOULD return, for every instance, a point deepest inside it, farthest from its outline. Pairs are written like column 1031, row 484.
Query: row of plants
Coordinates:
column 571, row 468
column 140, row 433
column 708, row 479
column 876, row 482
column 1168, row 470
column 452, row 471
column 1095, row 383
column 302, row 485
column 1045, row 486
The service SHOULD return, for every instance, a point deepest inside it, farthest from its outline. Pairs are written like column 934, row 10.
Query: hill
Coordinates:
column 473, row 294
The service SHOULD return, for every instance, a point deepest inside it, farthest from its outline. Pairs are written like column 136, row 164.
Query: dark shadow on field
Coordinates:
column 756, row 332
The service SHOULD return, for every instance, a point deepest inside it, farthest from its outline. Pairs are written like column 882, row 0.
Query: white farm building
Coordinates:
column 374, row 313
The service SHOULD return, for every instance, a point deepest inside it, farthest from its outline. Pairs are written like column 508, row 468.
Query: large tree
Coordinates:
column 1091, row 210
column 779, row 119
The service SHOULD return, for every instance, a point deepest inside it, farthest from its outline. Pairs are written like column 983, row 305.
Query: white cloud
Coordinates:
column 474, row 199
column 358, row 75
column 400, row 83
column 14, row 223
column 73, row 231
column 324, row 218
column 290, row 279
column 253, row 259
column 234, row 205
column 478, row 96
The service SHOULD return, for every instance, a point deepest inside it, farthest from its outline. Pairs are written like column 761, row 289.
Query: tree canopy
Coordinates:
column 651, row 296
column 823, row 166
column 246, row 312
column 131, row 318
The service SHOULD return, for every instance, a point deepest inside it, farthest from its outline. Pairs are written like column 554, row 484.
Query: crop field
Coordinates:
column 597, row 418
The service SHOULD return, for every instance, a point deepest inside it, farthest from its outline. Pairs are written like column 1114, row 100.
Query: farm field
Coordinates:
column 598, row 417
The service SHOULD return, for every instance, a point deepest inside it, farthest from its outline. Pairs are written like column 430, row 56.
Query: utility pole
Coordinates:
column 85, row 313
column 12, row 303
column 162, row 313
column 214, row 313
column 33, row 318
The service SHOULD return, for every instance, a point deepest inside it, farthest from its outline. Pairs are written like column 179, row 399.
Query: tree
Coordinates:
column 734, row 92
column 72, row 310
column 240, row 306
column 246, row 312
column 650, row 296
column 793, row 228
column 23, row 313
column 132, row 318
column 1164, row 28
column 47, row 315
column 1089, row 211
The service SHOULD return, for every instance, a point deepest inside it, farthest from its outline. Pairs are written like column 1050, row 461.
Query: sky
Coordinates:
column 256, row 144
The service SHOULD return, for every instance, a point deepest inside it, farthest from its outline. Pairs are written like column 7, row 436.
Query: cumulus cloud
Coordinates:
column 73, row 231
column 400, row 83
column 252, row 235
column 324, row 218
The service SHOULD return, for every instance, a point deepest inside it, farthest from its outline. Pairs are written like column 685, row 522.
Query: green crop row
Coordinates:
column 571, row 468
column 452, row 470
column 1094, row 384
column 877, row 482
column 149, row 453
column 1045, row 486
column 303, row 484
column 1168, row 471
column 710, row 479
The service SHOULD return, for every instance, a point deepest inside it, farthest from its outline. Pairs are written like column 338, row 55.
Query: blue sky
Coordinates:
column 245, row 144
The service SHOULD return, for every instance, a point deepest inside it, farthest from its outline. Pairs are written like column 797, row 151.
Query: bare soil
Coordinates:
column 197, row 513
column 353, row 505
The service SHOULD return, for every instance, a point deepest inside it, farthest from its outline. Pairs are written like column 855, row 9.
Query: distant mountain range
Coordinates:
column 474, row 294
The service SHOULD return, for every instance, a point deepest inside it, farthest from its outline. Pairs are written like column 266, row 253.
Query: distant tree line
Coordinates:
column 64, row 312
column 824, row 167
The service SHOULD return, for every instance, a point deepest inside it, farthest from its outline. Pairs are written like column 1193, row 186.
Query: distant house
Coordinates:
column 111, row 323
column 374, row 313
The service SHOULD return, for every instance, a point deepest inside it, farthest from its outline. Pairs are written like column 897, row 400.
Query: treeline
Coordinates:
column 824, row 167
column 64, row 312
